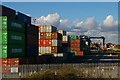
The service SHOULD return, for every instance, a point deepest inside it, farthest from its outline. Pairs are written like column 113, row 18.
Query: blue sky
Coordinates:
column 81, row 10
column 89, row 18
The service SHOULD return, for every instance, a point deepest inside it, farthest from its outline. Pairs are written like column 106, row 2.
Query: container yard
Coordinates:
column 26, row 48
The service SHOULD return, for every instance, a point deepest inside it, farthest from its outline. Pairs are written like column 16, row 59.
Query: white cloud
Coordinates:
column 109, row 24
column 89, row 27
column 88, row 24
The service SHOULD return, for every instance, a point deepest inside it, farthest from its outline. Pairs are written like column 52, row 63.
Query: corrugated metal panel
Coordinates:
column 48, row 50
column 42, row 50
column 54, row 42
column 56, row 35
column 47, row 35
column 42, row 35
column 42, row 28
column 50, row 28
column 45, row 42
column 65, row 39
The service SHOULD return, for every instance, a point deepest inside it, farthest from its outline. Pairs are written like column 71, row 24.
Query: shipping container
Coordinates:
column 56, row 35
column 31, row 29
column 12, row 51
column 12, row 38
column 61, row 32
column 80, row 53
column 45, row 42
column 31, row 40
column 50, row 28
column 31, row 50
column 24, row 18
column 77, row 41
column 6, row 69
column 55, row 49
column 73, row 37
column 38, row 35
column 75, row 45
column 65, row 38
column 56, row 43
column 16, row 38
column 48, row 50
column 47, row 35
column 42, row 50
column 12, row 24
column 42, row 35
column 5, row 11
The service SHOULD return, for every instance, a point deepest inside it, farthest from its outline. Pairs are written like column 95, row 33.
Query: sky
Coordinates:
column 88, row 18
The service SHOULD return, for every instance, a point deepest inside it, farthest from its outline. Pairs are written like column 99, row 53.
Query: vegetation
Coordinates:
column 65, row 73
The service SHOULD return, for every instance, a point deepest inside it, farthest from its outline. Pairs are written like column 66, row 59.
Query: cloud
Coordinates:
column 53, row 19
column 88, row 24
column 109, row 24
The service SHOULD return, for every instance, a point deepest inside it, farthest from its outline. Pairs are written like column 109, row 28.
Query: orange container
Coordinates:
column 80, row 53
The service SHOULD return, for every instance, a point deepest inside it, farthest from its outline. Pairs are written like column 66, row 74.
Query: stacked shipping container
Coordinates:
column 12, row 35
column 49, row 40
column 31, row 40
column 75, row 45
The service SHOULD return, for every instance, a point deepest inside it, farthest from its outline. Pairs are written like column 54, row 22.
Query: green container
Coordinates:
column 16, row 38
column 12, row 38
column 12, row 51
column 11, row 24
column 73, row 37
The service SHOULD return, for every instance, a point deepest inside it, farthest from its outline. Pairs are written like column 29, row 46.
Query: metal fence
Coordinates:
column 105, row 70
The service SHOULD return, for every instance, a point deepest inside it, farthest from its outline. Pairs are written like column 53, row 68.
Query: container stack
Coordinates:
column 49, row 40
column 75, row 45
column 66, row 43
column 12, row 40
column 31, row 40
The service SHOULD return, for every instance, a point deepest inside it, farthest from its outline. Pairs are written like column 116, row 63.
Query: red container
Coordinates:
column 45, row 42
column 41, row 42
column 48, row 42
column 77, row 41
column 80, row 53
column 75, row 45
column 6, row 69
